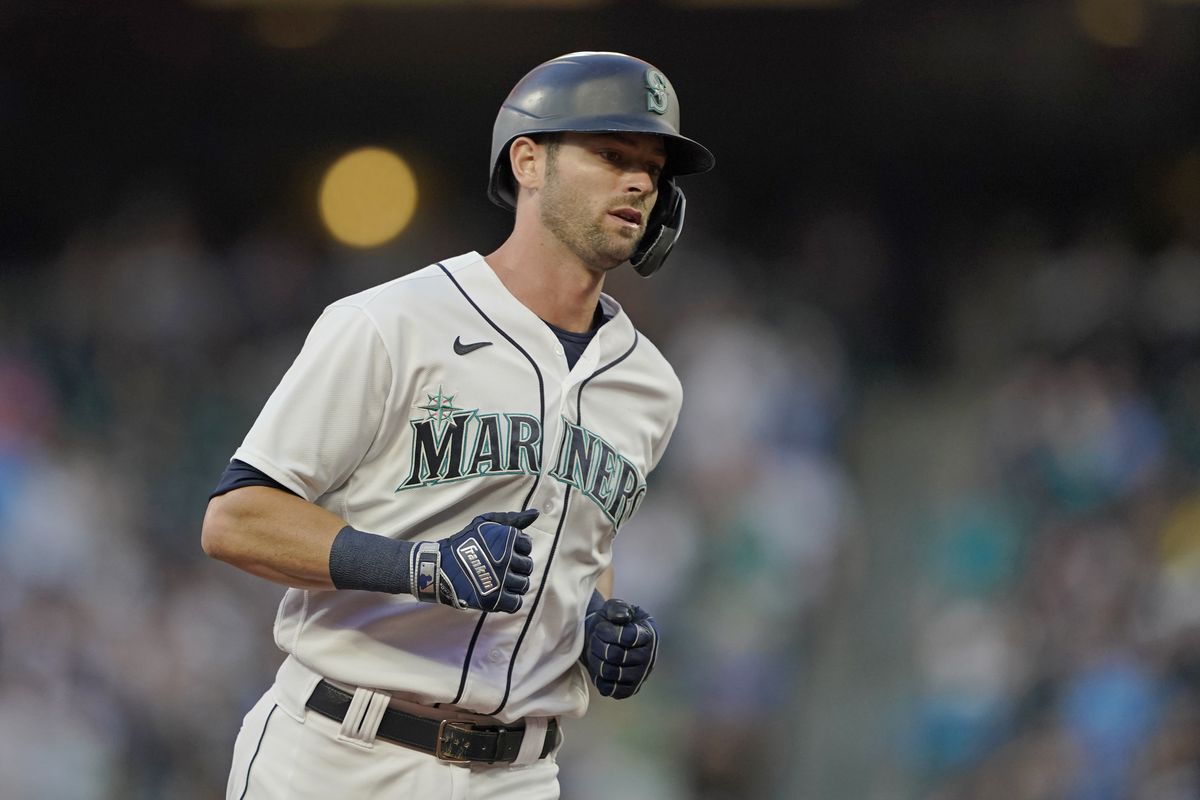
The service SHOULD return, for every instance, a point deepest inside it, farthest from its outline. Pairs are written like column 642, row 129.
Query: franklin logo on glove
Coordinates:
column 486, row 566
column 485, row 579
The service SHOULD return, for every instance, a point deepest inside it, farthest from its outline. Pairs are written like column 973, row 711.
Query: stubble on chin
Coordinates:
column 611, row 249
column 599, row 249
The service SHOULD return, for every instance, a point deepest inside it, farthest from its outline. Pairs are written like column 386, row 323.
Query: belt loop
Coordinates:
column 363, row 717
column 532, row 742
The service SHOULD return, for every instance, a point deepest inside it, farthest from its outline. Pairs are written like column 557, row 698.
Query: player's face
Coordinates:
column 598, row 192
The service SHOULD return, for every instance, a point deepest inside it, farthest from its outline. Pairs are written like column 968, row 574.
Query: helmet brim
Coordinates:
column 684, row 156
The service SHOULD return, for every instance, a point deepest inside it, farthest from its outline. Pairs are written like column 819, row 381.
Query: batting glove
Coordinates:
column 485, row 566
column 620, row 644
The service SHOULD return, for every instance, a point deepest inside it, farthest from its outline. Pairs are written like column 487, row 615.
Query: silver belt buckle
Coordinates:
column 452, row 755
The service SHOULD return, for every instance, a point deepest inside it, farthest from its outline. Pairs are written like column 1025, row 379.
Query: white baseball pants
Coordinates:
column 285, row 751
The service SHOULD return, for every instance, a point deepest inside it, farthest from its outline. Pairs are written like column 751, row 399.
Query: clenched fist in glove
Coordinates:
column 620, row 644
column 485, row 566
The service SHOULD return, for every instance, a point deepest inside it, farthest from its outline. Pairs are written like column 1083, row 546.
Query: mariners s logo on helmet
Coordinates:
column 656, row 91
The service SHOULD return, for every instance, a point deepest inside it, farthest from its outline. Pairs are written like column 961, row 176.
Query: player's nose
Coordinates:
column 639, row 181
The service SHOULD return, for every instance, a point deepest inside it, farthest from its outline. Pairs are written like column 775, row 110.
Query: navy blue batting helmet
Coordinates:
column 593, row 92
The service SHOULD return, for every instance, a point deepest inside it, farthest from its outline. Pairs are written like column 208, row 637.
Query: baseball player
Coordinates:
column 440, row 475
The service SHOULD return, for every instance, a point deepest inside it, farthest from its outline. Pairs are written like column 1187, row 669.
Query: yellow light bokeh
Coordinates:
column 294, row 29
column 1112, row 23
column 368, row 197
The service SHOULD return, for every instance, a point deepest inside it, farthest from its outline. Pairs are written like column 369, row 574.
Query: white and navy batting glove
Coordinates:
column 620, row 644
column 485, row 566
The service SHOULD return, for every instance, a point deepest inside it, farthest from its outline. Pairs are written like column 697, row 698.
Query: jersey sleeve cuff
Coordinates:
column 286, row 478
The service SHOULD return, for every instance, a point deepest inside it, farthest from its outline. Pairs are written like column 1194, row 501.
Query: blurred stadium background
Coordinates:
column 930, row 525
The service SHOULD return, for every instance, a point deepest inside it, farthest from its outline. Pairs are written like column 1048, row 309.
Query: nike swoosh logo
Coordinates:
column 462, row 349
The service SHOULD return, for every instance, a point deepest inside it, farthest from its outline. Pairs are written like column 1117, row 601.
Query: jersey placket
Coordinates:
column 496, row 652
column 565, row 408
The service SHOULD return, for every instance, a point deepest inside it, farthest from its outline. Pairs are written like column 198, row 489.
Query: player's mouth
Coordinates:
column 628, row 217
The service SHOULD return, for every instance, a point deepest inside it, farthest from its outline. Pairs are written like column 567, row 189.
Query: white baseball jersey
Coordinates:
column 418, row 404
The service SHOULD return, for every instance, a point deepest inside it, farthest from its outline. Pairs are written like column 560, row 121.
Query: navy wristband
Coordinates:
column 367, row 561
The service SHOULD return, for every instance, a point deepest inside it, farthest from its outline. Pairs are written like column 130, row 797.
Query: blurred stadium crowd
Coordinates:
column 929, row 528
column 979, row 578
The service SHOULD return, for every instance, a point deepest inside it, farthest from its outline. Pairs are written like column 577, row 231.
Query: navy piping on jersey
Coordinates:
column 466, row 668
column 554, row 546
column 562, row 518
column 588, row 379
column 257, row 747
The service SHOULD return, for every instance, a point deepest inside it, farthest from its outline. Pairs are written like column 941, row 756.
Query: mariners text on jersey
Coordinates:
column 455, row 444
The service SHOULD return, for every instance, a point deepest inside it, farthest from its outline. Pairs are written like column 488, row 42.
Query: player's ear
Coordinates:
column 527, row 159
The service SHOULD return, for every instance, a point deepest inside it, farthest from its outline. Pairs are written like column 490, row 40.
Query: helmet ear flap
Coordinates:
column 662, row 229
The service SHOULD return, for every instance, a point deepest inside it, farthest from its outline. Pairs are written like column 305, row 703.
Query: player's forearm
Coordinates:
column 272, row 534
column 604, row 584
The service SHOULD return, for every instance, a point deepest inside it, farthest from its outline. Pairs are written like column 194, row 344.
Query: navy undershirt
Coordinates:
column 239, row 473
column 574, row 344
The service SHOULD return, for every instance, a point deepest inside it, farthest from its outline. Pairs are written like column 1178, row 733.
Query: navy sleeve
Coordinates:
column 239, row 474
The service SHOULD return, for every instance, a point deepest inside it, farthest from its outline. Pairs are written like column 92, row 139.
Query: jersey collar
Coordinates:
column 484, row 286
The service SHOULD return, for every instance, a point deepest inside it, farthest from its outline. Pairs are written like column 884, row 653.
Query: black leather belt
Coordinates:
column 448, row 740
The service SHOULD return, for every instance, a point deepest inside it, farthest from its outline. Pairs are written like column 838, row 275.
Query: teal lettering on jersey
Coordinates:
column 467, row 444
column 454, row 444
column 594, row 467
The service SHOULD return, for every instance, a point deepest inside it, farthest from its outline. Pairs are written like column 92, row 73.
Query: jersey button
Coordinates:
column 496, row 655
column 558, row 351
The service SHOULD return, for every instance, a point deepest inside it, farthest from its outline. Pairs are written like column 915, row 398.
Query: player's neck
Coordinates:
column 549, row 281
